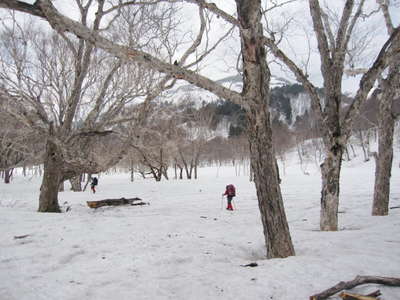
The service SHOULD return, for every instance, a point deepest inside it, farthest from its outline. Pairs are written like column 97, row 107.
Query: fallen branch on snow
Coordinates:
column 115, row 202
column 21, row 236
column 347, row 285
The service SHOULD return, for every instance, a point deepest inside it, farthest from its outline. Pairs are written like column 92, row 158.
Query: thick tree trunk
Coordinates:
column 256, row 94
column 61, row 186
column 330, row 172
column 384, row 158
column 48, row 199
column 276, row 229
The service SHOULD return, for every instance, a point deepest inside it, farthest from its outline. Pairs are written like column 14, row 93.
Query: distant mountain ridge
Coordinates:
column 288, row 100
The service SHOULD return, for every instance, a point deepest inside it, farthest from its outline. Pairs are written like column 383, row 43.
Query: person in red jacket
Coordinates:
column 230, row 192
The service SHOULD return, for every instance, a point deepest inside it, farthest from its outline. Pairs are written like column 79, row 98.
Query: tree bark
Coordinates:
column 48, row 199
column 384, row 158
column 115, row 202
column 61, row 186
column 7, row 175
column 330, row 172
column 256, row 93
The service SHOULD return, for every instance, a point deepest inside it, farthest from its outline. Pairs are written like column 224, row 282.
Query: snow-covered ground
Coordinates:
column 185, row 246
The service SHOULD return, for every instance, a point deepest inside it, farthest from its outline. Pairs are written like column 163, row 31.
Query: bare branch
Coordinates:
column 322, row 40
column 388, row 51
column 62, row 24
column 21, row 6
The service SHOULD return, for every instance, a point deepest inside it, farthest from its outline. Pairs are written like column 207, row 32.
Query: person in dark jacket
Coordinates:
column 230, row 192
column 93, row 184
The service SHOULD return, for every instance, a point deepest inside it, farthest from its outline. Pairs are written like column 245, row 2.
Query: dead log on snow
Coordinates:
column 347, row 285
column 114, row 202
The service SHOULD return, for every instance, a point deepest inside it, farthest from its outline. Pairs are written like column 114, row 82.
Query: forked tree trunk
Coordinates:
column 48, row 199
column 384, row 158
column 256, row 94
column 330, row 172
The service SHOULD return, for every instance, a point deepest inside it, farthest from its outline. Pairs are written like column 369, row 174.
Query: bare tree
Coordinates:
column 254, row 98
column 336, row 124
column 62, row 93
column 19, row 145
column 154, row 150
column 390, row 89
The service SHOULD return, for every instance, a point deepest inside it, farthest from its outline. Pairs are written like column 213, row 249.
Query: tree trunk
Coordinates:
column 364, row 145
column 164, row 171
column 76, row 184
column 384, row 158
column 7, row 175
column 256, row 94
column 132, row 171
column 61, row 186
column 180, row 172
column 330, row 171
column 175, row 172
column 48, row 199
column 185, row 165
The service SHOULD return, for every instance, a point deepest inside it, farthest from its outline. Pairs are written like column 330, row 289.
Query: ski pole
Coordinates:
column 222, row 200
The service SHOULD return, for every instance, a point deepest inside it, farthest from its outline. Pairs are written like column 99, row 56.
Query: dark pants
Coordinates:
column 229, row 198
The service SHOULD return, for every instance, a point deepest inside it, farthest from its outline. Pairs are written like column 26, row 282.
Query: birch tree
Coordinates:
column 254, row 97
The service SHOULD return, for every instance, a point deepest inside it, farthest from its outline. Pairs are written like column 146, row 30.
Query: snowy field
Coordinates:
column 184, row 246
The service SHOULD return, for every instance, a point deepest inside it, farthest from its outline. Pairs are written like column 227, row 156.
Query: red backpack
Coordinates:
column 231, row 191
